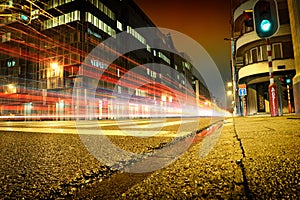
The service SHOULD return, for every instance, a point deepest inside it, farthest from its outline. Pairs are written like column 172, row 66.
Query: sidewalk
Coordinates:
column 254, row 158
column 270, row 164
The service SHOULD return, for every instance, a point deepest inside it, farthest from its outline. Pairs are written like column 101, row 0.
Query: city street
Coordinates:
column 48, row 159
column 149, row 100
column 254, row 158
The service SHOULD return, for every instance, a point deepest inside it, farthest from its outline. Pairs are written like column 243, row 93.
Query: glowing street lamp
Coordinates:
column 54, row 65
column 229, row 92
column 11, row 89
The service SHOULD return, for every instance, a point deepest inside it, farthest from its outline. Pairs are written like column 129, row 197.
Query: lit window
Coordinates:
column 148, row 48
column 119, row 89
column 95, row 22
column 119, row 25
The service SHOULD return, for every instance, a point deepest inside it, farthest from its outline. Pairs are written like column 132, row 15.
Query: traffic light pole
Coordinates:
column 272, row 87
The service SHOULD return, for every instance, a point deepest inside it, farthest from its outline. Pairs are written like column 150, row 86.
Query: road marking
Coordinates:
column 89, row 127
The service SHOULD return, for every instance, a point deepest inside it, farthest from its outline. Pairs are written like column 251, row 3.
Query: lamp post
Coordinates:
column 236, row 110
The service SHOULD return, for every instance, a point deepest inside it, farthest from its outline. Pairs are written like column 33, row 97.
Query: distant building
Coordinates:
column 251, row 60
column 44, row 44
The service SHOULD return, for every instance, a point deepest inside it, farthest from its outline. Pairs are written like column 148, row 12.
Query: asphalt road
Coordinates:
column 50, row 159
column 246, row 158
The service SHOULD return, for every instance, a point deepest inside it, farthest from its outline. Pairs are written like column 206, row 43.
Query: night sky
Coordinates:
column 206, row 21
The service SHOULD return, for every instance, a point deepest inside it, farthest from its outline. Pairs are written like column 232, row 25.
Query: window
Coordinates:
column 6, row 37
column 60, row 20
column 164, row 57
column 264, row 52
column 248, row 59
column 287, row 49
column 259, row 54
column 276, row 51
column 254, row 55
column 119, row 25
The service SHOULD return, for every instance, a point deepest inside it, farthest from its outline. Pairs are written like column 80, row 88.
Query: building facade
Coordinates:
column 45, row 43
column 251, row 60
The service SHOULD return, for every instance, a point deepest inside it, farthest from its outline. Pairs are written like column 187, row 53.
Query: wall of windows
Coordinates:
column 61, row 20
column 259, row 54
column 135, row 34
column 99, row 24
column 56, row 3
column 103, row 9
column 164, row 57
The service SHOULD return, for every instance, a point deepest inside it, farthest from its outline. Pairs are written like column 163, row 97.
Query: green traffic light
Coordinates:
column 265, row 25
column 266, row 21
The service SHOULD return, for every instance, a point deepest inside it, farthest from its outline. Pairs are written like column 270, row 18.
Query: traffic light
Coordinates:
column 288, row 81
column 266, row 21
column 248, row 18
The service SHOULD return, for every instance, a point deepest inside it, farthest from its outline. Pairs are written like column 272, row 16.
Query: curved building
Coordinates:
column 251, row 60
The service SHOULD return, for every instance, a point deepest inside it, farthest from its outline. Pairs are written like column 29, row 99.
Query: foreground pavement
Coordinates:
column 254, row 158
column 248, row 158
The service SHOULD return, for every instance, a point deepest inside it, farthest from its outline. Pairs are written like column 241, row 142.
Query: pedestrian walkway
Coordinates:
column 270, row 161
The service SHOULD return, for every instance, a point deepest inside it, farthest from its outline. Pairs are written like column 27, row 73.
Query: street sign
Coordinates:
column 242, row 91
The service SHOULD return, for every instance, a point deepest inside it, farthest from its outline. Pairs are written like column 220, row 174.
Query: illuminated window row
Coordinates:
column 135, row 34
column 55, row 3
column 100, row 24
column 164, row 57
column 103, row 9
column 63, row 19
column 139, row 92
column 151, row 73
column 97, row 3
column 186, row 65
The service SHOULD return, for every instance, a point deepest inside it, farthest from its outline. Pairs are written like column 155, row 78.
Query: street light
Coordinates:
column 11, row 89
column 235, row 104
